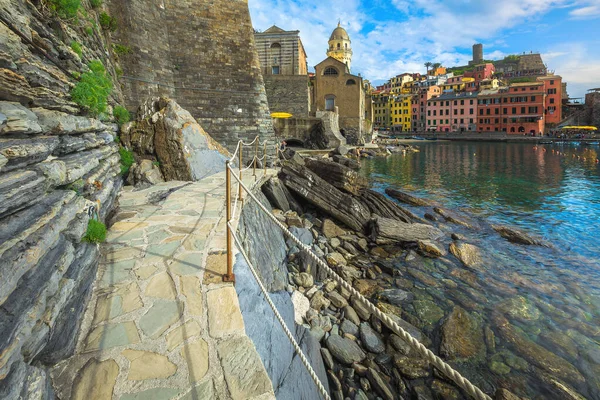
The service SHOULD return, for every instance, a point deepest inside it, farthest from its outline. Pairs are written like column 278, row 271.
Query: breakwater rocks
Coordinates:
column 434, row 272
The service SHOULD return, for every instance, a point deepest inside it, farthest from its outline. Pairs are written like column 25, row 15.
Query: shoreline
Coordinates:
column 486, row 137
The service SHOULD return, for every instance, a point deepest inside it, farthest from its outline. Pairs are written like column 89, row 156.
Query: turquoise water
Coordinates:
column 551, row 192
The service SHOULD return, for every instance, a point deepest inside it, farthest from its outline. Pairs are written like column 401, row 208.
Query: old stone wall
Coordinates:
column 592, row 107
column 288, row 93
column 54, row 165
column 201, row 54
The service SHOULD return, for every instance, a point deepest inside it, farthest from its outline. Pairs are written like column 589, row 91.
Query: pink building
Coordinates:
column 419, row 106
column 452, row 112
column 481, row 72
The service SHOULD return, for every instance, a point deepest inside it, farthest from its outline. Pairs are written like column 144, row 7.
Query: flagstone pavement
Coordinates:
column 161, row 323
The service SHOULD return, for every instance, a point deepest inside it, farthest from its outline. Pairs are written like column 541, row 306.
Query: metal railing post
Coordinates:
column 255, row 156
column 240, row 192
column 230, row 277
column 265, row 158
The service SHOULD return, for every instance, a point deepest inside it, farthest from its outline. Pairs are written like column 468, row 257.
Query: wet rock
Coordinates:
column 371, row 339
column 562, row 390
column 461, row 336
column 366, row 287
column 411, row 368
column 445, row 391
column 467, row 253
column 499, row 367
column 515, row 235
column 519, row 308
column 379, row 384
column 430, row 248
column 399, row 344
column 490, row 339
column 535, row 353
column 344, row 350
column 562, row 341
column 424, row 278
column 396, row 296
column 454, row 218
column 335, row 260
column 428, row 311
column 391, row 311
column 389, row 231
column 337, row 300
column 361, row 309
column 379, row 252
column 407, row 198
column 351, row 315
column 327, row 358
column 504, row 394
column 338, row 175
column 341, row 150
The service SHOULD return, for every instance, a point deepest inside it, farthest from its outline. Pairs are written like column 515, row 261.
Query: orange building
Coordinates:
column 553, row 103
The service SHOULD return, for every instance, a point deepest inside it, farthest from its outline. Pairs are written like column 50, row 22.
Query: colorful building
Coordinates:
column 553, row 86
column 401, row 112
column 452, row 112
column 419, row 114
column 382, row 109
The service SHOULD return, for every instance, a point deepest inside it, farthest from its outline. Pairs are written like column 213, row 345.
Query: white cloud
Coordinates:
column 430, row 30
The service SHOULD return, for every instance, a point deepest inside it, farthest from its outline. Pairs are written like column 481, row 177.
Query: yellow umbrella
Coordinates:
column 281, row 115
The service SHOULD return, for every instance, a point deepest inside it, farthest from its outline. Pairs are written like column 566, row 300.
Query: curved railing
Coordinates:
column 433, row 359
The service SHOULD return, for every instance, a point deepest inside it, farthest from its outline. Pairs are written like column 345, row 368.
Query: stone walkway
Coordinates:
column 161, row 324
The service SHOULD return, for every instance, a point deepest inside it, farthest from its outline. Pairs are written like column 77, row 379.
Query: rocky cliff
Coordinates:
column 55, row 164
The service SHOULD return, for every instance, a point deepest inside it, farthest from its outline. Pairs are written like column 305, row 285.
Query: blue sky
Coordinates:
column 390, row 37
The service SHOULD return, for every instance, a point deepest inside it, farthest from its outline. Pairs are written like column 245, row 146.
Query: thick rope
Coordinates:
column 297, row 348
column 434, row 360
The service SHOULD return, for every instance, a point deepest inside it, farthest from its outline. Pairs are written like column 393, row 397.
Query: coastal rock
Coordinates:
column 411, row 368
column 361, row 309
column 347, row 162
column 144, row 174
column 341, row 150
column 344, row 350
column 331, row 230
column 520, row 308
column 428, row 311
column 337, row 300
column 349, row 327
column 366, row 287
column 18, row 119
column 515, row 235
column 430, row 248
column 504, row 394
column 273, row 189
column 301, row 306
column 371, row 339
column 407, row 198
column 462, row 336
column 396, row 296
column 454, row 218
column 57, row 122
column 299, row 233
column 389, row 231
column 351, row 315
column 318, row 301
column 467, row 253
column 535, row 353
column 304, row 279
column 379, row 384
column 19, row 153
column 293, row 220
column 380, row 205
column 339, row 176
column 335, row 260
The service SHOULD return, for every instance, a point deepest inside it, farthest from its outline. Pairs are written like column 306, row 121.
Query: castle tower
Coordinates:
column 340, row 46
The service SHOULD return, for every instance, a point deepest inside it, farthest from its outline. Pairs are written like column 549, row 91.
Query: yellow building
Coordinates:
column 401, row 112
column 382, row 107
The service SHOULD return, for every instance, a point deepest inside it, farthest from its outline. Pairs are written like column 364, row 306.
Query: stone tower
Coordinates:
column 340, row 46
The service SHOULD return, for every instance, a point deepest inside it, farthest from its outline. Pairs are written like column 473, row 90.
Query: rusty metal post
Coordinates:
column 265, row 157
column 230, row 277
column 240, row 190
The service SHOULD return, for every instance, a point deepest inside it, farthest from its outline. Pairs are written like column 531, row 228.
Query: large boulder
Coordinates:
column 462, row 336
column 144, row 174
column 170, row 134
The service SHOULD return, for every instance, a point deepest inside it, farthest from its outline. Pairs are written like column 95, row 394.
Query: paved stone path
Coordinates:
column 161, row 324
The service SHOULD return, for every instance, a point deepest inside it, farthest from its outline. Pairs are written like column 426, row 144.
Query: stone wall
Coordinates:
column 54, row 165
column 592, row 106
column 288, row 93
column 201, row 54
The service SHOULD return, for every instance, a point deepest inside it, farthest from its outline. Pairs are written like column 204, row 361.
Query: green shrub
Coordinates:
column 107, row 22
column 117, row 139
column 65, row 8
column 93, row 89
column 76, row 47
column 120, row 49
column 121, row 114
column 96, row 3
column 76, row 186
column 156, row 163
column 89, row 30
column 127, row 160
column 96, row 232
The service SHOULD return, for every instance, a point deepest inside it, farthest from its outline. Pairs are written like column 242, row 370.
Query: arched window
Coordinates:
column 276, row 46
column 345, row 45
column 330, row 102
column 338, row 45
column 330, row 71
column 512, row 129
column 350, row 82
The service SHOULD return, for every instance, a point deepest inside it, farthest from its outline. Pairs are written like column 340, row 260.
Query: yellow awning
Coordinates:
column 585, row 128
column 281, row 115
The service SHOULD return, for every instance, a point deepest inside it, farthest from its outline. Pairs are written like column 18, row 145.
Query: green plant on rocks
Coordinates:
column 121, row 115
column 127, row 160
column 120, row 49
column 93, row 89
column 95, row 3
column 76, row 186
column 96, row 232
column 65, row 8
column 76, row 47
column 107, row 22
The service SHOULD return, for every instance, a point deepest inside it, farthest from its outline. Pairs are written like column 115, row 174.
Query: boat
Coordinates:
column 431, row 138
column 417, row 138
column 545, row 142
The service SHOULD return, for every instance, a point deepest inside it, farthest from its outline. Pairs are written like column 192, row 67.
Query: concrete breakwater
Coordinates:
column 438, row 282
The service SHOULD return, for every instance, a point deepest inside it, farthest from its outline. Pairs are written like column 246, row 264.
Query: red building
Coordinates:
column 553, row 103
column 481, row 72
column 419, row 106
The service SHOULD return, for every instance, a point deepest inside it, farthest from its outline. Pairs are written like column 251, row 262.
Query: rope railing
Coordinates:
column 433, row 359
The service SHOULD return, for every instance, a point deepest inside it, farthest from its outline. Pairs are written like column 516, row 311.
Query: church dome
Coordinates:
column 339, row 33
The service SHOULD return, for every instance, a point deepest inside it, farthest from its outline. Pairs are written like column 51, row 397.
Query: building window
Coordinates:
column 522, row 110
column 481, row 111
column 514, row 110
column 496, row 111
column 350, row 82
column 276, row 46
column 338, row 46
column 505, row 110
column 552, row 100
column 471, row 102
column 275, row 70
column 551, row 82
column 488, row 111
column 330, row 102
column 462, row 111
column 471, row 110
column 330, row 71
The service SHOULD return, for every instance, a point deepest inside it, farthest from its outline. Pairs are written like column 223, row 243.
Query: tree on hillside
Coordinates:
column 436, row 65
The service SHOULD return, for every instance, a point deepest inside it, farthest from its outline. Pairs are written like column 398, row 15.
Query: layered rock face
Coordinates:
column 54, row 165
column 166, row 132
